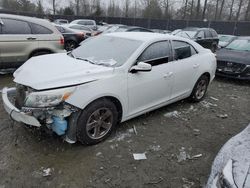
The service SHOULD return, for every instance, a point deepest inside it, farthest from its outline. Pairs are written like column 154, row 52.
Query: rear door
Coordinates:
column 186, row 68
column 47, row 40
column 200, row 38
column 209, row 38
column 16, row 42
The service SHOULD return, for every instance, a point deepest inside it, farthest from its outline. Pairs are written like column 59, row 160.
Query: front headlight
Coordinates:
column 48, row 98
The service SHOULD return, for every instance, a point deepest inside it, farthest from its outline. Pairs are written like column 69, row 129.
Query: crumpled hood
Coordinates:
column 233, row 56
column 58, row 70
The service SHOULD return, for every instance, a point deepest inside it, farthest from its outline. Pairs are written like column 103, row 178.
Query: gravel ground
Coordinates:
column 170, row 137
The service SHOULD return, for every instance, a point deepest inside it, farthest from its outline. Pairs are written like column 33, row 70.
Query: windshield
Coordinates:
column 240, row 45
column 106, row 50
column 224, row 38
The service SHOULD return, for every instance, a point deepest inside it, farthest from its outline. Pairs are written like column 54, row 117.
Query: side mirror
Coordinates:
column 198, row 38
column 141, row 66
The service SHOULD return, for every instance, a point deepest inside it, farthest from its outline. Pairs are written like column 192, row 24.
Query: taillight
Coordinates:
column 62, row 41
column 80, row 35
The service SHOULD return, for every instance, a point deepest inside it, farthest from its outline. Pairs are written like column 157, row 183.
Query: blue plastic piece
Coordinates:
column 59, row 125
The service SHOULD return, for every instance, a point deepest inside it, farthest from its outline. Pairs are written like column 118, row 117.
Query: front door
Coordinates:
column 149, row 89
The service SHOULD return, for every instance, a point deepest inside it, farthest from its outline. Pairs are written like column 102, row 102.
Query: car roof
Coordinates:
column 35, row 20
column 144, row 36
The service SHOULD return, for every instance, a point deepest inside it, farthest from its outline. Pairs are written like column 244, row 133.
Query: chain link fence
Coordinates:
column 222, row 27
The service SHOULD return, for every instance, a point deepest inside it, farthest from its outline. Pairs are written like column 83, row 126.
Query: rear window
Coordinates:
column 86, row 22
column 38, row 29
column 15, row 27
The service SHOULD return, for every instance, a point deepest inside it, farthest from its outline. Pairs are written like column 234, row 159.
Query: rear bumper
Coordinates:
column 14, row 112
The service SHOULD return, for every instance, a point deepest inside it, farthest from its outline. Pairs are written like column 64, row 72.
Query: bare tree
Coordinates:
column 231, row 10
column 192, row 7
column 216, row 9
column 221, row 8
column 54, row 6
column 239, row 9
column 247, row 11
column 77, row 2
column 126, row 8
column 185, row 9
column 198, row 9
column 204, row 10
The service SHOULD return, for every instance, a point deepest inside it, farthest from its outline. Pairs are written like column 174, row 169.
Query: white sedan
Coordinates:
column 109, row 79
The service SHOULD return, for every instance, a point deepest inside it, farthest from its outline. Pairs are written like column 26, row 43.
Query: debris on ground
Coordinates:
column 135, row 131
column 155, row 148
column 213, row 98
column 98, row 154
column 196, row 156
column 207, row 104
column 223, row 116
column 47, row 172
column 160, row 179
column 183, row 156
column 139, row 156
column 187, row 183
column 196, row 132
column 114, row 146
column 175, row 114
column 121, row 136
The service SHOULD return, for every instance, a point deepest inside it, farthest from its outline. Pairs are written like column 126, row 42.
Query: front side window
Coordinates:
column 38, row 29
column 15, row 27
column 208, row 34
column 183, row 50
column 157, row 53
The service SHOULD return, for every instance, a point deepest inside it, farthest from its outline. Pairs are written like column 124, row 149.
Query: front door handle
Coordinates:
column 31, row 38
column 196, row 66
column 169, row 74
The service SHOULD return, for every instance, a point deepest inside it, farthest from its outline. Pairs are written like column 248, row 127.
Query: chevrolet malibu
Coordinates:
column 109, row 79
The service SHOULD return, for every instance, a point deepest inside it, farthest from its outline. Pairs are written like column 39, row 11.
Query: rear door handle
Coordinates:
column 31, row 38
column 196, row 66
column 169, row 74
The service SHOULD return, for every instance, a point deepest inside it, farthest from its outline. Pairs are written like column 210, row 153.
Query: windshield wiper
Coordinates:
column 85, row 59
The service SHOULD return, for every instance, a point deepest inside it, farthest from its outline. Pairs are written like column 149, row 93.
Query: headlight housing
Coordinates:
column 48, row 98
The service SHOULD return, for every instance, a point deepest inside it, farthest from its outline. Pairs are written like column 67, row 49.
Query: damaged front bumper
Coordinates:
column 59, row 119
column 14, row 112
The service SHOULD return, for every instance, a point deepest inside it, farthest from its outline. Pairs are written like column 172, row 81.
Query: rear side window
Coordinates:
column 208, row 34
column 214, row 33
column 38, row 29
column 157, row 53
column 183, row 50
column 15, row 27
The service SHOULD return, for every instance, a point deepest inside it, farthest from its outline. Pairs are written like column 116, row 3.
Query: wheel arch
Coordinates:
column 116, row 102
column 40, row 50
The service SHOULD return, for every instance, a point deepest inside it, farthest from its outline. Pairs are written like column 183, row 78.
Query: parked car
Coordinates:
column 23, row 37
column 72, row 38
column 206, row 37
column 233, row 60
column 88, row 23
column 61, row 21
column 224, row 40
column 109, row 79
column 80, row 28
column 231, row 167
column 161, row 31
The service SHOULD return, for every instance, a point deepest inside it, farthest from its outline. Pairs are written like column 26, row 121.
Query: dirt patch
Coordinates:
column 180, row 142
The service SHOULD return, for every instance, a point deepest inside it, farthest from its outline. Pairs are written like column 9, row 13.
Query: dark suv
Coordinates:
column 206, row 37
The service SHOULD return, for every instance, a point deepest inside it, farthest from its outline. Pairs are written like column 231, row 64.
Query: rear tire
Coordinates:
column 200, row 89
column 96, row 122
column 70, row 45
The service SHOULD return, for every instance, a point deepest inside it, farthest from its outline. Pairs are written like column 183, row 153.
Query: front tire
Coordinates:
column 200, row 89
column 97, row 122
